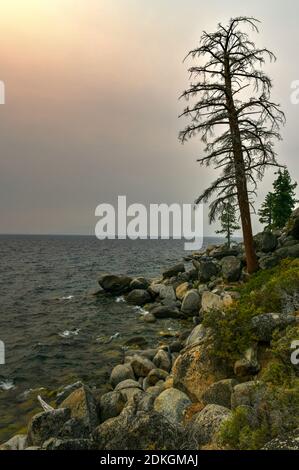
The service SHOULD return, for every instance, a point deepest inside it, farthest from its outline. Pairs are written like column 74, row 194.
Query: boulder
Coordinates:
column 165, row 312
column 129, row 383
column 66, row 391
column 196, row 368
column 292, row 227
column 18, row 442
column 181, row 290
column 115, row 284
column 289, row 441
column 265, row 241
column 111, row 404
column 141, row 366
column 167, row 295
column 47, row 424
column 139, row 283
column 264, row 325
column 83, row 408
column 174, row 271
column 138, row 297
column 247, row 393
column 121, row 372
column 207, row 270
column 248, row 364
column 197, row 334
column 172, row 404
column 162, row 360
column 191, row 302
column 68, row 444
column 155, row 376
column 136, row 429
column 231, row 268
column 211, row 301
column 206, row 424
column 219, row 393
column 149, row 318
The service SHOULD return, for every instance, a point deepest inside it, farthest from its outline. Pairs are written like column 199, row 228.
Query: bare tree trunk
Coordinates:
column 241, row 183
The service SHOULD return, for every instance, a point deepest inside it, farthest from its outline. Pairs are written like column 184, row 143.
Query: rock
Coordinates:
column 142, row 366
column 129, row 383
column 121, row 372
column 265, row 241
column 68, row 444
column 207, row 270
column 162, row 360
column 167, row 295
column 165, row 312
column 149, row 318
column 66, row 391
column 155, row 390
column 289, row 441
column 138, row 297
column 181, row 290
column 135, row 429
column 156, row 375
column 211, row 301
column 175, row 346
column 47, row 424
column 206, row 424
column 247, row 393
column 139, row 283
column 174, row 271
column 264, row 325
column 287, row 252
column 111, row 404
column 227, row 300
column 231, row 268
column 83, row 408
column 17, row 442
column 292, row 227
column 115, row 284
column 268, row 262
column 172, row 403
column 191, row 302
column 196, row 368
column 137, row 341
column 197, row 334
column 247, row 365
column 219, row 393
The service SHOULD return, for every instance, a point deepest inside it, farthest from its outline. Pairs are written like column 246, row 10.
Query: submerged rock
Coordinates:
column 165, row 312
column 138, row 297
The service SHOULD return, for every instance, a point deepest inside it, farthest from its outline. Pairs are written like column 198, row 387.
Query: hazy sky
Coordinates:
column 92, row 103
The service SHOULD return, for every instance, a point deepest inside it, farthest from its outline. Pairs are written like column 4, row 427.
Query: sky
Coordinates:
column 91, row 111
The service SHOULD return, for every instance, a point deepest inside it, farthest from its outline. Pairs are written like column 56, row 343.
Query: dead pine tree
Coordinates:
column 232, row 112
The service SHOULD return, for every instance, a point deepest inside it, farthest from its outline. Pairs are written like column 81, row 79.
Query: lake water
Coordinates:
column 54, row 328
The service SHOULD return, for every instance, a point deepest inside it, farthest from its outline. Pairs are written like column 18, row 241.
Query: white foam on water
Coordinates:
column 120, row 299
column 69, row 333
column 6, row 385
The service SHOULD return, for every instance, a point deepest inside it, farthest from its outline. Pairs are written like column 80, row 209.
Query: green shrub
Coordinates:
column 263, row 293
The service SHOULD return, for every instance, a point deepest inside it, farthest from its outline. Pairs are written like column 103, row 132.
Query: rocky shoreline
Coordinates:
column 185, row 395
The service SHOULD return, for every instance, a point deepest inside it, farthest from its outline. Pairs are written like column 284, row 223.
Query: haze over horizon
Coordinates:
column 92, row 105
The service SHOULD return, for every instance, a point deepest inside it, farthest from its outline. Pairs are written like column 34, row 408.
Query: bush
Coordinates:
column 264, row 292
